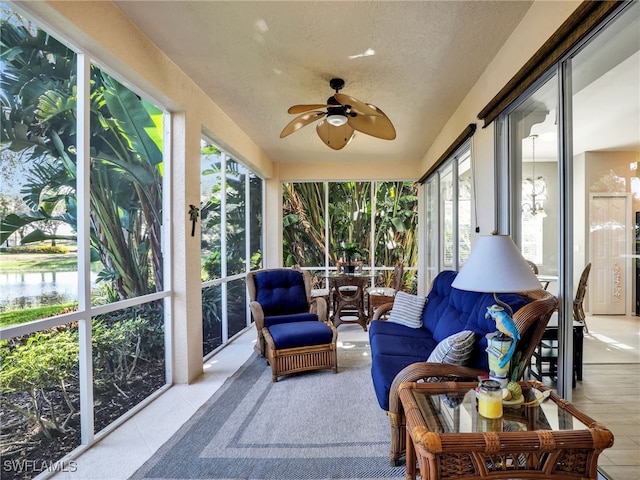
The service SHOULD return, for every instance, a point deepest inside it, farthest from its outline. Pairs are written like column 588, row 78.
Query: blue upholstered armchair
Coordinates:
column 293, row 330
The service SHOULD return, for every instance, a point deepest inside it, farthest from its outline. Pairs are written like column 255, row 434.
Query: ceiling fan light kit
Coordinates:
column 344, row 114
column 336, row 119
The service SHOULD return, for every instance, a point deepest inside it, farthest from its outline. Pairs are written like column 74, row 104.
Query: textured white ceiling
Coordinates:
column 257, row 58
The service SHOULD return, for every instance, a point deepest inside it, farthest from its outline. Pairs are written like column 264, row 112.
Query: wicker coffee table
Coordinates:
column 450, row 440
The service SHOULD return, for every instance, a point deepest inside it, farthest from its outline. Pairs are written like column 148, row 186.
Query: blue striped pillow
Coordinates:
column 407, row 310
column 456, row 349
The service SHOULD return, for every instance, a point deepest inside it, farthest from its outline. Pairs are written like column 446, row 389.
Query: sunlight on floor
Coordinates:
column 611, row 342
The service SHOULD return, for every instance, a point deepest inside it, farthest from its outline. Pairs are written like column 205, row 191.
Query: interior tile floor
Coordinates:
column 610, row 390
column 610, row 393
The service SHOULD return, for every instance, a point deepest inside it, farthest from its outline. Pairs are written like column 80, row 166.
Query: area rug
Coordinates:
column 314, row 425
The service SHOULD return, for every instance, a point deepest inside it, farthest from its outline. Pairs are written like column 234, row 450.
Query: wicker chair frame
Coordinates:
column 298, row 359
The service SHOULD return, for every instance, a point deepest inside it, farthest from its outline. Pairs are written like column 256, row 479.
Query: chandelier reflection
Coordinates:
column 534, row 189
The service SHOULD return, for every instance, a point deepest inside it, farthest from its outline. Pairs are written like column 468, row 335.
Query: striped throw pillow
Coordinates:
column 455, row 349
column 407, row 309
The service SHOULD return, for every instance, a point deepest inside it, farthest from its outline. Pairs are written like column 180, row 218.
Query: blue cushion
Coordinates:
column 402, row 346
column 438, row 299
column 395, row 346
column 380, row 327
column 300, row 334
column 281, row 292
column 294, row 317
column 384, row 369
column 450, row 310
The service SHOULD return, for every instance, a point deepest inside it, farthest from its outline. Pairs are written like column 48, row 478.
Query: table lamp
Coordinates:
column 496, row 265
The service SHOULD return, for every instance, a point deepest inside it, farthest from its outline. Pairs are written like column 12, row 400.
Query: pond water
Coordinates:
column 27, row 290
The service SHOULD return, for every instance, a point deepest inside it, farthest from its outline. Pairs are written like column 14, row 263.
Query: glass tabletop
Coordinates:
column 458, row 413
column 353, row 275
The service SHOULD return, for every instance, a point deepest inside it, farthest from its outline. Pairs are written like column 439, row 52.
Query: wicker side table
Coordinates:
column 448, row 439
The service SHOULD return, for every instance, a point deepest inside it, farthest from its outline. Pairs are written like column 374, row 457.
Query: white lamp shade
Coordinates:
column 496, row 265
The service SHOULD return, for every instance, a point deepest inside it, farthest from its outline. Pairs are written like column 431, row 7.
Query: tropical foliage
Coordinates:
column 226, row 202
column 39, row 384
column 349, row 218
column 39, row 124
column 396, row 223
column 43, row 366
column 303, row 224
column 39, row 380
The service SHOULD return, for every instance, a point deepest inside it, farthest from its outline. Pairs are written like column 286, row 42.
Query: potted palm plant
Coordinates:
column 351, row 252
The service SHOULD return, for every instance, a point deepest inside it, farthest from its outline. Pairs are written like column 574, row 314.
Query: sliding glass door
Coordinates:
column 572, row 162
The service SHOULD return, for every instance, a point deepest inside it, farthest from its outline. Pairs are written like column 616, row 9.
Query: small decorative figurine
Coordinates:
column 506, row 325
column 193, row 215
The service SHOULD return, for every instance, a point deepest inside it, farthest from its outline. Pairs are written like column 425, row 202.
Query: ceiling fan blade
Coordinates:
column 335, row 137
column 306, row 108
column 356, row 105
column 375, row 125
column 301, row 121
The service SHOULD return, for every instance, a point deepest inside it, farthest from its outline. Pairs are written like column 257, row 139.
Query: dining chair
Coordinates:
column 533, row 266
column 320, row 288
column 376, row 296
column 578, row 301
column 545, row 357
column 348, row 295
column 348, row 287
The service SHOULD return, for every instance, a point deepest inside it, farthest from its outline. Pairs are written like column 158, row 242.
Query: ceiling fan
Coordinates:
column 344, row 115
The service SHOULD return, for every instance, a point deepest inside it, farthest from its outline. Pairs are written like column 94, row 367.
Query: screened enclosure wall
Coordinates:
column 82, row 290
column 377, row 219
column 231, row 198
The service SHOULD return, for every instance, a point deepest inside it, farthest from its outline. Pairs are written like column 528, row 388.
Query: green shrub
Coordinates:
column 119, row 347
column 211, row 266
column 45, row 364
column 42, row 366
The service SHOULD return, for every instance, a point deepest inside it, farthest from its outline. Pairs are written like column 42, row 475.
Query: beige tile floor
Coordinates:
column 610, row 393
column 610, row 390
column 123, row 451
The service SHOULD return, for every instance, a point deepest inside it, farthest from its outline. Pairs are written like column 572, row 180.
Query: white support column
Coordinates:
column 273, row 224
column 185, row 250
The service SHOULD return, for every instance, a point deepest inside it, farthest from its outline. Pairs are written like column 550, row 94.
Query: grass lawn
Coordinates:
column 38, row 262
column 16, row 317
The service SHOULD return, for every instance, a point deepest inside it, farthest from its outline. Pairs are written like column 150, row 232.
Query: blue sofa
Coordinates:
column 399, row 352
